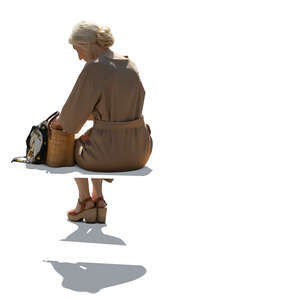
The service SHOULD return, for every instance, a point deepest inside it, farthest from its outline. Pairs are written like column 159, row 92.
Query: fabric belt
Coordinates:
column 119, row 125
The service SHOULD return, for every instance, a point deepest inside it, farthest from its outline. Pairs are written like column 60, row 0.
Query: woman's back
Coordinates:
column 122, row 93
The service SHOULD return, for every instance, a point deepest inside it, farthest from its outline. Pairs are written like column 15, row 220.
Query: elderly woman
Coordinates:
column 109, row 92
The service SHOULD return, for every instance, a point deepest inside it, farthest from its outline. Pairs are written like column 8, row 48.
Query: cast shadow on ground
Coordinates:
column 92, row 277
column 92, row 233
column 76, row 169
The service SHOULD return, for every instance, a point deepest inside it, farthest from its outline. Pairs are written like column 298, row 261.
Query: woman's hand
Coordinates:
column 55, row 125
column 84, row 138
column 91, row 117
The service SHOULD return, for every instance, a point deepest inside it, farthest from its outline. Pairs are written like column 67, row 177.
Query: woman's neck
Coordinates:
column 101, row 51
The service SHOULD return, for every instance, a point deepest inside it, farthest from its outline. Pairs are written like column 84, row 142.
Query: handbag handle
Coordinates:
column 52, row 116
column 49, row 120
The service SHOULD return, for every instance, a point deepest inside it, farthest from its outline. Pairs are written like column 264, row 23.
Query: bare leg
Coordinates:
column 84, row 193
column 83, row 188
column 97, row 191
column 97, row 187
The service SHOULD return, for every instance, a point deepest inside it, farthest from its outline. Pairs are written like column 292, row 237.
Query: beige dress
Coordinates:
column 111, row 90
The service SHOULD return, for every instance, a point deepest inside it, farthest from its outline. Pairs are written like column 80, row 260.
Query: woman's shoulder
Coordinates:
column 94, row 66
column 104, row 60
column 117, row 56
column 104, row 64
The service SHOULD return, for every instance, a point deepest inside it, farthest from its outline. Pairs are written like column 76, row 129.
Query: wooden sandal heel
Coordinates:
column 91, row 215
column 101, row 214
column 101, row 211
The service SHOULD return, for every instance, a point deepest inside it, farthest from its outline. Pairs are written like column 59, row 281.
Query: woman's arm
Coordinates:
column 56, row 125
column 81, row 102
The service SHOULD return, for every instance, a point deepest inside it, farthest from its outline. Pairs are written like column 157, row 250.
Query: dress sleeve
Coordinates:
column 80, row 103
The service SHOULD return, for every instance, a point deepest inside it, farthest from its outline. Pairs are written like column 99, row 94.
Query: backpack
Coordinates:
column 37, row 143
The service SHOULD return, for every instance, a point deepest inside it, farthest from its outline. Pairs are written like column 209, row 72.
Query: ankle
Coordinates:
column 87, row 202
column 100, row 202
column 84, row 197
column 97, row 196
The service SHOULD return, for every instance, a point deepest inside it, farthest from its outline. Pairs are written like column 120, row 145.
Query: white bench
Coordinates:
column 76, row 171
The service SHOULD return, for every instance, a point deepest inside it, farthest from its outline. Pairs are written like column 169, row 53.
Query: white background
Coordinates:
column 218, row 218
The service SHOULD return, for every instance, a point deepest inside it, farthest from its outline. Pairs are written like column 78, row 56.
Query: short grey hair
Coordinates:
column 85, row 33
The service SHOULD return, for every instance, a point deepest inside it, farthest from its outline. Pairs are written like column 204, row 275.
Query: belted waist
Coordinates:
column 119, row 125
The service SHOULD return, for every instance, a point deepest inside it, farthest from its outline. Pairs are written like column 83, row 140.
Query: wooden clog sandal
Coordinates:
column 89, row 214
column 101, row 209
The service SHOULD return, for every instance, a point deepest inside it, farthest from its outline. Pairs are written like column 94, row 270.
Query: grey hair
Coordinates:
column 85, row 33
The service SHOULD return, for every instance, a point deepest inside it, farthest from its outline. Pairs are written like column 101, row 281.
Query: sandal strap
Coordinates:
column 82, row 203
column 100, row 198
